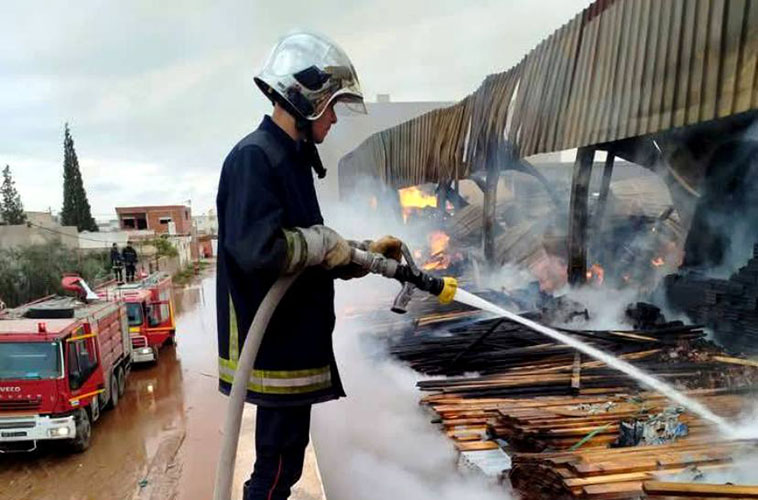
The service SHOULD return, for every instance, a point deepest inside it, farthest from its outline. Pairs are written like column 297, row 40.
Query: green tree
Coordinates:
column 163, row 247
column 11, row 208
column 76, row 209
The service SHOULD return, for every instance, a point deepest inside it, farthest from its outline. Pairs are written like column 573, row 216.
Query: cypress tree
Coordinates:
column 11, row 208
column 76, row 209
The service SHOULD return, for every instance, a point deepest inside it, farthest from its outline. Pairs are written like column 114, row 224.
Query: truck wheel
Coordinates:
column 83, row 431
column 155, row 354
column 171, row 339
column 114, row 391
column 121, row 377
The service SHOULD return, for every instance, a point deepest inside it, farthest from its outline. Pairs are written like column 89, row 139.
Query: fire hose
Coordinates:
column 407, row 274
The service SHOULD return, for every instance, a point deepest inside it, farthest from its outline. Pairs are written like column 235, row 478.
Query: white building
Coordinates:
column 206, row 223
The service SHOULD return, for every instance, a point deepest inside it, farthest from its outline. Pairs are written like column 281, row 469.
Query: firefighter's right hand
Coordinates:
column 315, row 245
column 389, row 246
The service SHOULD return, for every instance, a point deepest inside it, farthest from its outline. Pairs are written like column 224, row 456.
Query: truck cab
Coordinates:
column 61, row 362
column 150, row 312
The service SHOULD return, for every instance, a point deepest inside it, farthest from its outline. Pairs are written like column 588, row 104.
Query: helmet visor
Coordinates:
column 349, row 105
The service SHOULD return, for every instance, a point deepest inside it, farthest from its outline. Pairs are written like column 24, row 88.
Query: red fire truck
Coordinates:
column 150, row 310
column 62, row 360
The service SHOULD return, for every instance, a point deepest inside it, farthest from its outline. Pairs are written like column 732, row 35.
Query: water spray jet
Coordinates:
column 447, row 290
column 646, row 379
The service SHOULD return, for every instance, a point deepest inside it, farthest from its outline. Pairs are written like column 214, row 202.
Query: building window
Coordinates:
column 186, row 215
column 134, row 221
column 164, row 220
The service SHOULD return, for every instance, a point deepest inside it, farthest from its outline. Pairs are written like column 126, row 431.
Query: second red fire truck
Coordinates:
column 150, row 310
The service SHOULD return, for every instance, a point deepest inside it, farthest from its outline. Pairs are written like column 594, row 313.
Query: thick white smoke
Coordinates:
column 379, row 443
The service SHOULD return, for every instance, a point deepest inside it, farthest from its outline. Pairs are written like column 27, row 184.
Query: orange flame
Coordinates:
column 413, row 198
column 438, row 242
column 596, row 274
column 658, row 261
column 439, row 257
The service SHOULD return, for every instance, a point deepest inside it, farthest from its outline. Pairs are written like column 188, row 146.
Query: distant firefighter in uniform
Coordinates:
column 117, row 263
column 129, row 255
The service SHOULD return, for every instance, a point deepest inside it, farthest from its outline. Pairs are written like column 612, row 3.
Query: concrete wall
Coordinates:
column 183, row 246
column 206, row 247
column 166, row 264
column 44, row 219
column 102, row 241
column 22, row 235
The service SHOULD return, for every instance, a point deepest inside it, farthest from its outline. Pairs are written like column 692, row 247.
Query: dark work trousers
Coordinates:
column 130, row 272
column 281, row 435
column 118, row 270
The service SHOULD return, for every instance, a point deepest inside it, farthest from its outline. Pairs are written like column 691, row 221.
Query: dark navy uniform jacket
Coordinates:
column 266, row 185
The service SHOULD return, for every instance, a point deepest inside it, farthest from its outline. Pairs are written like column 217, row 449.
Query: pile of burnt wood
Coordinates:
column 728, row 306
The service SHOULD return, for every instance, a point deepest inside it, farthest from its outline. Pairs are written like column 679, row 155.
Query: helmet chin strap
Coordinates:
column 309, row 145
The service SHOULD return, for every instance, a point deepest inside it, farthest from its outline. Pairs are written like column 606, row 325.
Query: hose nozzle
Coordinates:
column 407, row 274
column 447, row 294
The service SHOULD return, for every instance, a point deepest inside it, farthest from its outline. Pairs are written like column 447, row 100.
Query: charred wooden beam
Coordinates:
column 442, row 193
column 578, row 216
column 605, row 188
column 490, row 204
column 475, row 343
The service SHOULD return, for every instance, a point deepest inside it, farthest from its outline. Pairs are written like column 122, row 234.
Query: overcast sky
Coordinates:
column 156, row 93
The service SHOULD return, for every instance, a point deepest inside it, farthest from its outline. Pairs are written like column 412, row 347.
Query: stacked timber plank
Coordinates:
column 556, row 416
column 668, row 490
column 561, row 423
column 601, row 473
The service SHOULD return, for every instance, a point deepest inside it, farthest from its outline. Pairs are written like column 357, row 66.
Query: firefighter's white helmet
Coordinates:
column 308, row 72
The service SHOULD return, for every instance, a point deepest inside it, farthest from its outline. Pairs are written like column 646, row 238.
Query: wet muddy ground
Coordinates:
column 162, row 440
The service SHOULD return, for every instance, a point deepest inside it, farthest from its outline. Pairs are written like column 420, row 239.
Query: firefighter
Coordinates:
column 129, row 256
column 270, row 224
column 117, row 263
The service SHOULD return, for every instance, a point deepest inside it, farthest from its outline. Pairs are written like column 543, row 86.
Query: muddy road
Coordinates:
column 161, row 441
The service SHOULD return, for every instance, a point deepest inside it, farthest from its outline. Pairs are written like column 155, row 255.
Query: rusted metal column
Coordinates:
column 605, row 188
column 442, row 189
column 578, row 216
column 490, row 203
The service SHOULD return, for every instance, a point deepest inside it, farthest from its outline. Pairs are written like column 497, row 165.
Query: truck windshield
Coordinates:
column 134, row 313
column 30, row 360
